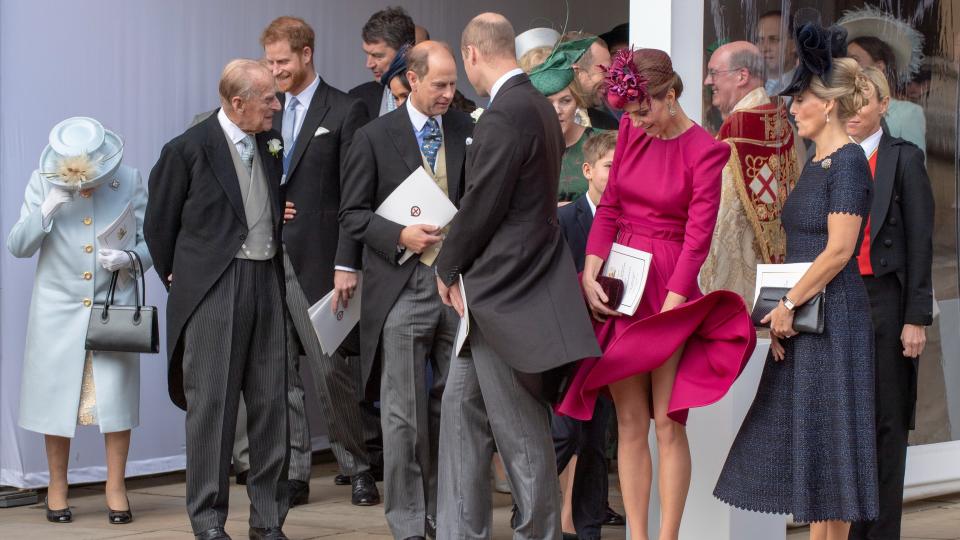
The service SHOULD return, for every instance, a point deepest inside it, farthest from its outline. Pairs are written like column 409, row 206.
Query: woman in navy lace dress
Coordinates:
column 807, row 445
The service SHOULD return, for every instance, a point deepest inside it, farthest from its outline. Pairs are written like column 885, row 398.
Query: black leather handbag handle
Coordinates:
column 140, row 292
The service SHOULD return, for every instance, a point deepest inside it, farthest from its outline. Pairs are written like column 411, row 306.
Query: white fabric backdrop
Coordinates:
column 144, row 69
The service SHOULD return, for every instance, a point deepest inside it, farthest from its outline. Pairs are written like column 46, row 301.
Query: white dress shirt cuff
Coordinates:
column 345, row 269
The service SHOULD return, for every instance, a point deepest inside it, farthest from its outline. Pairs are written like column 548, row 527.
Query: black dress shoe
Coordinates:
column 216, row 533
column 569, row 536
column 341, row 480
column 613, row 519
column 365, row 491
column 271, row 533
column 414, row 538
column 242, row 478
column 298, row 492
column 58, row 516
column 120, row 517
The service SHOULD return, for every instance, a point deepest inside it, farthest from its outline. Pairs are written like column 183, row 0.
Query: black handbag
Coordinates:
column 131, row 329
column 807, row 318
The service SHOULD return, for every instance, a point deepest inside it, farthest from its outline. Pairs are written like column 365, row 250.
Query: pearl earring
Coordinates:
column 827, row 116
column 671, row 110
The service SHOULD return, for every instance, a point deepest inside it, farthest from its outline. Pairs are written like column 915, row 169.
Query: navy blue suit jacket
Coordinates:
column 575, row 221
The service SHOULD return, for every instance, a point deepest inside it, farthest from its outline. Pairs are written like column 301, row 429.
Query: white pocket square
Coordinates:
column 469, row 141
column 320, row 131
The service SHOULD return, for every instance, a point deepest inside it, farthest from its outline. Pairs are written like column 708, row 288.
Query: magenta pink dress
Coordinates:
column 662, row 197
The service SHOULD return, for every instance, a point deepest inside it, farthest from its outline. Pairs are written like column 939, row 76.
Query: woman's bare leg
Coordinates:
column 632, row 400
column 673, row 451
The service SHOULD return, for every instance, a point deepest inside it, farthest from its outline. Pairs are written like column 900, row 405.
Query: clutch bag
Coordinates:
column 807, row 318
column 613, row 288
column 118, row 328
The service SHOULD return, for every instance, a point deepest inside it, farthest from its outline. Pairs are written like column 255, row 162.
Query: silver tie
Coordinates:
column 246, row 155
column 290, row 125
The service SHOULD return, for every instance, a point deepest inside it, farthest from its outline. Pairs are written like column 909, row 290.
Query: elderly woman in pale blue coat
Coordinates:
column 64, row 385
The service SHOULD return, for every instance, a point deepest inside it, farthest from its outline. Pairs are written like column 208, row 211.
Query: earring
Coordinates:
column 827, row 116
column 671, row 110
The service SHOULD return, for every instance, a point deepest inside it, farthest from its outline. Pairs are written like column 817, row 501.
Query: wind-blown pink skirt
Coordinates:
column 716, row 329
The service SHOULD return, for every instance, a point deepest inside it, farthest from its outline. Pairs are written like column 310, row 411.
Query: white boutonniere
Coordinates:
column 274, row 146
column 476, row 114
column 469, row 141
column 321, row 131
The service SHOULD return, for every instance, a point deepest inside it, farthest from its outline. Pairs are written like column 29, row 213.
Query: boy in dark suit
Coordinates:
column 582, row 445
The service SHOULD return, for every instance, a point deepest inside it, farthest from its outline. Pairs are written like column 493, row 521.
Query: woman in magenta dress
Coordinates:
column 680, row 349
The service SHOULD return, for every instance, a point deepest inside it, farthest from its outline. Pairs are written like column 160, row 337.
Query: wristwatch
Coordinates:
column 788, row 303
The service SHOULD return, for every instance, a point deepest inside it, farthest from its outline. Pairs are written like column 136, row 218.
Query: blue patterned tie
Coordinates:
column 430, row 141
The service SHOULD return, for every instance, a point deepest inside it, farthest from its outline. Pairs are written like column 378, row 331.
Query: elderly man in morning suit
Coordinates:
column 402, row 321
column 528, row 317
column 761, row 171
column 213, row 227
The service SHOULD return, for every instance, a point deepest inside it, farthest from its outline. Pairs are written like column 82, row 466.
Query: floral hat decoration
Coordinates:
column 816, row 48
column 624, row 81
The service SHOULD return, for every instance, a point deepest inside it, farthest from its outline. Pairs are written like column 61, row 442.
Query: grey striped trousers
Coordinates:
column 335, row 385
column 418, row 329
column 235, row 341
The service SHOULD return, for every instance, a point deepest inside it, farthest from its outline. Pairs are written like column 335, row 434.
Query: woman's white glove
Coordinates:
column 56, row 198
column 113, row 259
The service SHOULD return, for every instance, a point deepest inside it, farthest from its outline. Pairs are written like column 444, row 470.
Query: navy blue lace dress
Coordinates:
column 807, row 445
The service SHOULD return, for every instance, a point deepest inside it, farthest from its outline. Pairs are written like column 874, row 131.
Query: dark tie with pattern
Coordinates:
column 430, row 141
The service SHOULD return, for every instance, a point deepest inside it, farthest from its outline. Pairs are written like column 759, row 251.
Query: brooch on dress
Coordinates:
column 825, row 163
column 115, row 185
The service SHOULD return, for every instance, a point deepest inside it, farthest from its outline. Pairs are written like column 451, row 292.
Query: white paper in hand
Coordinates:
column 632, row 267
column 464, row 328
column 417, row 201
column 122, row 233
column 778, row 275
column 332, row 328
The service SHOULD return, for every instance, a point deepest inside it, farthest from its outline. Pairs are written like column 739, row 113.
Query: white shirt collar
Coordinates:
column 232, row 130
column 305, row 97
column 502, row 80
column 593, row 207
column 417, row 118
column 871, row 143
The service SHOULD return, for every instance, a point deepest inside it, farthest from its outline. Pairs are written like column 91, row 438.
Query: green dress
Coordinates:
column 572, row 182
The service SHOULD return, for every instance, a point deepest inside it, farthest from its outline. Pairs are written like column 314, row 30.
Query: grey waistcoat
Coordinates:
column 259, row 244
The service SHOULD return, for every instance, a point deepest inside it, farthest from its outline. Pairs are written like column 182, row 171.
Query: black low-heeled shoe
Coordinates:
column 120, row 517
column 58, row 516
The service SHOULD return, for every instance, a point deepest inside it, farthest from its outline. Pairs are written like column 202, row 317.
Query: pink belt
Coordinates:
column 628, row 228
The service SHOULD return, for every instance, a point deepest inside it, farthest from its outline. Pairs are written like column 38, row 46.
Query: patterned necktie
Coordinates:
column 430, row 141
column 246, row 155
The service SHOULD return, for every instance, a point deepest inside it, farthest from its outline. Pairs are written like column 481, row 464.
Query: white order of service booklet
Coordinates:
column 418, row 200
column 778, row 275
column 632, row 267
column 333, row 327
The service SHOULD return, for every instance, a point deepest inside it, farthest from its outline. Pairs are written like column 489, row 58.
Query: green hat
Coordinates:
column 556, row 72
